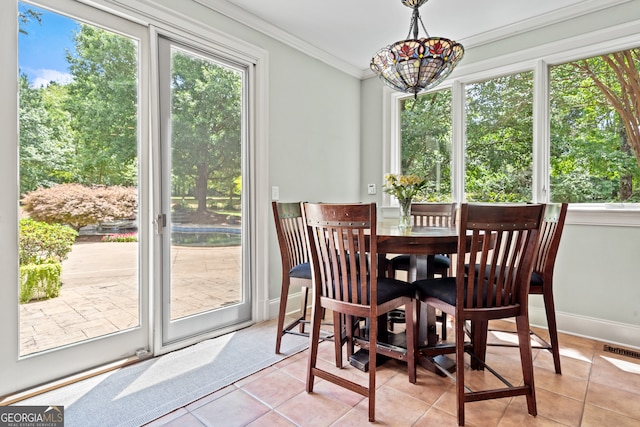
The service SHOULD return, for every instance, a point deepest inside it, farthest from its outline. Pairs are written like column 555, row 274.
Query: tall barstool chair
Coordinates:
column 542, row 277
column 504, row 240
column 343, row 248
column 296, row 270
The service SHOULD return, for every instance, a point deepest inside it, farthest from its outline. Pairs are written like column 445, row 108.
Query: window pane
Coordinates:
column 206, row 190
column 499, row 139
column 426, row 142
column 595, row 125
column 78, row 181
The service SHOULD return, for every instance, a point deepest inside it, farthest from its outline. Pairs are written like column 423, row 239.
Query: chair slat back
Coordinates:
column 433, row 214
column 291, row 234
column 550, row 234
column 343, row 250
column 503, row 262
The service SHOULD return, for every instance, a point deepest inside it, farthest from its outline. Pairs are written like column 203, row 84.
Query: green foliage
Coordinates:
column 39, row 281
column 103, row 106
column 45, row 136
column 426, row 143
column 206, row 127
column 499, row 143
column 41, row 243
column 592, row 158
column 78, row 206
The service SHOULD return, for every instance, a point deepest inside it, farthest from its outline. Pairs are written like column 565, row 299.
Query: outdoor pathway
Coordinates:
column 99, row 293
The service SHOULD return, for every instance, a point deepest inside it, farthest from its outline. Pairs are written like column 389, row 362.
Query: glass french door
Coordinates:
column 203, row 214
column 73, row 187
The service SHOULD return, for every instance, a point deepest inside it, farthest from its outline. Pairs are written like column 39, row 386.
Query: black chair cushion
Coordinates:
column 402, row 262
column 536, row 279
column 389, row 289
column 301, row 271
column 443, row 289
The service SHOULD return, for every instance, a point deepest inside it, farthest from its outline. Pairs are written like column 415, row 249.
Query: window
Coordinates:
column 591, row 155
column 499, row 142
column 425, row 125
column 595, row 129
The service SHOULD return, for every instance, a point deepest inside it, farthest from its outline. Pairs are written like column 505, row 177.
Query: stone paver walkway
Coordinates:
column 99, row 293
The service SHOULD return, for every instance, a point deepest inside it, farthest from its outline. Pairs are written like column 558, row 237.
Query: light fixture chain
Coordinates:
column 423, row 27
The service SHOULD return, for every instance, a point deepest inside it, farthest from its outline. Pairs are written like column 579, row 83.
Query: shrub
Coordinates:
column 39, row 281
column 78, row 205
column 40, row 242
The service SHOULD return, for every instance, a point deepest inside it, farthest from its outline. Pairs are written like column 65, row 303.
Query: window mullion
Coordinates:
column 541, row 133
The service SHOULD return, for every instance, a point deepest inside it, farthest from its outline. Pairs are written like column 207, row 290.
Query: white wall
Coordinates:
column 597, row 287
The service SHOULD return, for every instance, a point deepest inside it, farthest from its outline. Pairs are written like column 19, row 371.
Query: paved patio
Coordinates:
column 99, row 293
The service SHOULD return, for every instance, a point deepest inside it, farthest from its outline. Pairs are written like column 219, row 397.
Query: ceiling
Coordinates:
column 353, row 30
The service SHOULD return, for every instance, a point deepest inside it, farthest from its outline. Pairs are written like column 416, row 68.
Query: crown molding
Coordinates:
column 243, row 17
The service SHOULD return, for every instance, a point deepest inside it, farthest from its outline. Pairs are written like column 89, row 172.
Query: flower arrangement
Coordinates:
column 403, row 187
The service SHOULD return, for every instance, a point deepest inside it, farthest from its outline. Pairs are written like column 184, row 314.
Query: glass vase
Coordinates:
column 404, row 222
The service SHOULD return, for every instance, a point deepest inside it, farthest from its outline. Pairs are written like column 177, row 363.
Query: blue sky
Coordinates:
column 42, row 52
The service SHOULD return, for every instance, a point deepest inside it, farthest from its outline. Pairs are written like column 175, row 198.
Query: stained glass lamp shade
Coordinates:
column 416, row 64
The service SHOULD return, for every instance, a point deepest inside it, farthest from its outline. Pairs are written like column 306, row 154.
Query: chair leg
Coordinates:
column 303, row 307
column 284, row 295
column 460, row 393
column 479, row 332
column 314, row 341
column 373, row 345
column 411, row 335
column 553, row 328
column 526, row 358
column 337, row 337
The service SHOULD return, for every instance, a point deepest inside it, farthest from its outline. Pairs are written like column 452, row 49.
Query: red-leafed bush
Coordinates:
column 78, row 205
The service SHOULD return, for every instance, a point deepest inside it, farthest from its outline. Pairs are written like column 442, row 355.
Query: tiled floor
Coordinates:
column 596, row 388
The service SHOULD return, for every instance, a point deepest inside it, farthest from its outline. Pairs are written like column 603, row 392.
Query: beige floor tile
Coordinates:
column 565, row 385
column 274, row 388
column 616, row 371
column 517, row 417
column 596, row 417
column 271, row 419
column 234, row 409
column 436, row 418
column 313, row 409
column 553, row 406
column 614, row 399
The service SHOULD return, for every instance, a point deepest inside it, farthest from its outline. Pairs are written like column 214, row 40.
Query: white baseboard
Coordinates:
column 293, row 304
column 607, row 331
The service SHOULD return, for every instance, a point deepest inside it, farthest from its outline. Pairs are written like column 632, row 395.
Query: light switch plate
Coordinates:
column 371, row 189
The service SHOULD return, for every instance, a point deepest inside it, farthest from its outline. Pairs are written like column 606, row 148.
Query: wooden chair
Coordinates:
column 296, row 269
column 542, row 276
column 343, row 247
column 426, row 215
column 470, row 296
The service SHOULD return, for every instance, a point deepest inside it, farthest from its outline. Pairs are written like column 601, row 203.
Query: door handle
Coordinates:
column 161, row 223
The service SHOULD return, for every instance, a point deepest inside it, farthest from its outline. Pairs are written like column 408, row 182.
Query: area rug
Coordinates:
column 139, row 393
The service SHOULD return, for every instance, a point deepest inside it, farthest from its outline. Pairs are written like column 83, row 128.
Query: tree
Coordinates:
column 26, row 15
column 617, row 77
column 591, row 156
column 499, row 139
column 103, row 105
column 426, row 142
column 206, row 125
column 45, row 136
